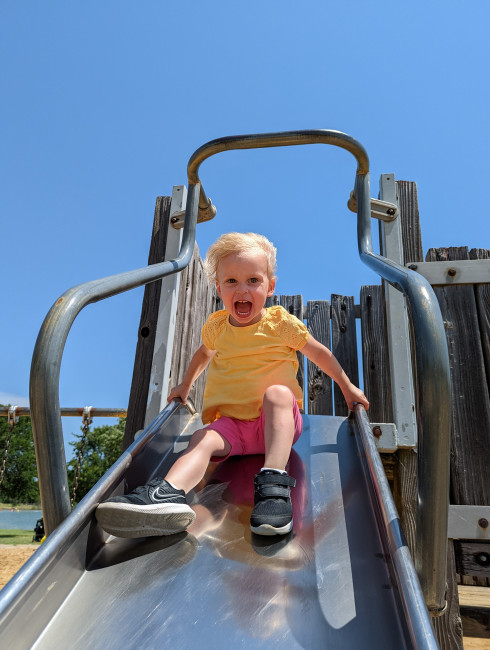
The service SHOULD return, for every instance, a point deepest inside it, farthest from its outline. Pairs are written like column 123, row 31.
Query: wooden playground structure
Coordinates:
column 462, row 286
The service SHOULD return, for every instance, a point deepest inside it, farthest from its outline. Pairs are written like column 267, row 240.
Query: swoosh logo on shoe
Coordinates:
column 160, row 497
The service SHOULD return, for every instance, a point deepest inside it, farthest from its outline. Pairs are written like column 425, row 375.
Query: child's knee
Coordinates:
column 199, row 438
column 206, row 439
column 278, row 395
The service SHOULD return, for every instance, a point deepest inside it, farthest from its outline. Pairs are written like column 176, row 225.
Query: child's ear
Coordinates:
column 272, row 287
column 218, row 289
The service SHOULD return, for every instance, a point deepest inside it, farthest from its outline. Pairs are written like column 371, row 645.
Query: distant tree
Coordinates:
column 102, row 447
column 20, row 483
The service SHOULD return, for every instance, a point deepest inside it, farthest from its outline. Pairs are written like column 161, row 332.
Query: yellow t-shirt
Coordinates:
column 248, row 360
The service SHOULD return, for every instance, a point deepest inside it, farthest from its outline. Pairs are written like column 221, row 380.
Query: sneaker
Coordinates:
column 153, row 509
column 272, row 514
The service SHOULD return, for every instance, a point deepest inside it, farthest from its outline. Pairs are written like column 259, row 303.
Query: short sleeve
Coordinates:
column 212, row 327
column 292, row 331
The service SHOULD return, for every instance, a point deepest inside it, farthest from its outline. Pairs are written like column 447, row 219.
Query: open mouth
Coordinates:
column 243, row 308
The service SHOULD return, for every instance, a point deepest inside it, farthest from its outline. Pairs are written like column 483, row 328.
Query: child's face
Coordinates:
column 243, row 284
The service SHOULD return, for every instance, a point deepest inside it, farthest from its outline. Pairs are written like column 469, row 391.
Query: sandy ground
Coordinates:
column 12, row 558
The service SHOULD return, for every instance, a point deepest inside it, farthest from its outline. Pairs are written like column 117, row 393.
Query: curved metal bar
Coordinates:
column 433, row 407
column 421, row 632
column 281, row 139
column 46, row 364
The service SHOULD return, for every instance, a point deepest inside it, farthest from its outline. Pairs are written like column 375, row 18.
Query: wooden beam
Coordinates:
column 319, row 384
column 376, row 370
column 138, row 396
column 294, row 305
column 344, row 344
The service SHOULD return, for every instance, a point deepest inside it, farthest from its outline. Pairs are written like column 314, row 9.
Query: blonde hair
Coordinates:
column 237, row 242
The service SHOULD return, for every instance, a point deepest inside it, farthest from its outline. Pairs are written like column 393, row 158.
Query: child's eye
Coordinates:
column 254, row 280
column 230, row 281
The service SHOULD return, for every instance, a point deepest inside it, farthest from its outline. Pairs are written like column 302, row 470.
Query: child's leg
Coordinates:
column 272, row 513
column 278, row 426
column 160, row 507
column 191, row 466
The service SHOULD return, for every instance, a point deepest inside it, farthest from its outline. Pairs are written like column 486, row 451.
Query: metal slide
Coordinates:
column 342, row 579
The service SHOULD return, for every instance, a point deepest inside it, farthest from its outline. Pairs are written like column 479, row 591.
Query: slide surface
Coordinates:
column 329, row 583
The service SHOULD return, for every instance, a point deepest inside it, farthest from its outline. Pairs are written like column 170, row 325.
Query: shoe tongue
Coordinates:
column 155, row 481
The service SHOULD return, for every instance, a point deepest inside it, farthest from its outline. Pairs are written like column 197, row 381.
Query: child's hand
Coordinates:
column 352, row 394
column 181, row 391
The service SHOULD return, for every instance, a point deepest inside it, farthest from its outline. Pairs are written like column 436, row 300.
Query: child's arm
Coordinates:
column 325, row 360
column 198, row 365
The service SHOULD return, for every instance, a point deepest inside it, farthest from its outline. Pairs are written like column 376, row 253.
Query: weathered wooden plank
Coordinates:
column 470, row 455
column 196, row 301
column 138, row 396
column 344, row 344
column 482, row 294
column 319, row 384
column 474, row 596
column 448, row 628
column 203, row 305
column 376, row 369
column 294, row 305
column 405, row 493
column 472, row 558
column 410, row 222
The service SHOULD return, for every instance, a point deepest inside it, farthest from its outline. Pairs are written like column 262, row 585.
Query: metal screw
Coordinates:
column 451, row 272
column 483, row 523
column 413, row 267
column 377, row 432
column 391, row 211
column 174, row 219
column 482, row 558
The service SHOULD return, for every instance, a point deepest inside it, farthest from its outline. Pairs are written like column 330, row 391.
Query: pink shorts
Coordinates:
column 246, row 437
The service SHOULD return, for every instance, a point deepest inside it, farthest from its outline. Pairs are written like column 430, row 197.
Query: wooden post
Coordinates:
column 147, row 328
column 319, row 384
column 482, row 295
column 376, row 370
column 344, row 344
column 294, row 305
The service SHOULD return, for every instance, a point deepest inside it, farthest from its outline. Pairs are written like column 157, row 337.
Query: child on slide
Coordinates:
column 251, row 399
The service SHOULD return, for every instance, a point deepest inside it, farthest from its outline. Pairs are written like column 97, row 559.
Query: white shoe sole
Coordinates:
column 128, row 520
column 267, row 529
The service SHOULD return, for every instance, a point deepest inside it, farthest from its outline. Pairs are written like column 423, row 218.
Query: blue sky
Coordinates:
column 104, row 101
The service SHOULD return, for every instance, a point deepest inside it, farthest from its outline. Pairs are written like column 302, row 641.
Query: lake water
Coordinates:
column 20, row 519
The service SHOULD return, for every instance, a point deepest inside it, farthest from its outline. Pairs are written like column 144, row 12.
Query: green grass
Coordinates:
column 20, row 506
column 8, row 536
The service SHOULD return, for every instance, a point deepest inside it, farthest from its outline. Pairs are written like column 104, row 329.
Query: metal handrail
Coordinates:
column 409, row 590
column 46, row 364
column 432, row 362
